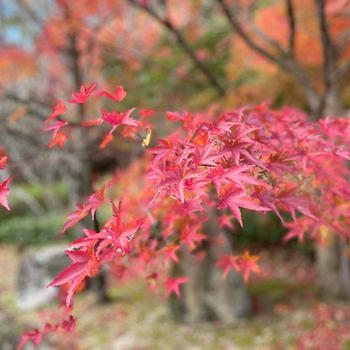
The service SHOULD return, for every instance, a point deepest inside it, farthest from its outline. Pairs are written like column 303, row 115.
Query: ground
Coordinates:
column 289, row 315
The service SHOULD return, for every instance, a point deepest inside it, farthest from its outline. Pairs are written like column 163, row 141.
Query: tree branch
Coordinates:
column 184, row 44
column 246, row 38
column 329, row 54
column 286, row 63
column 291, row 22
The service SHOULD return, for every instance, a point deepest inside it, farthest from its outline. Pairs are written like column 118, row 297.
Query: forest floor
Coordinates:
column 289, row 315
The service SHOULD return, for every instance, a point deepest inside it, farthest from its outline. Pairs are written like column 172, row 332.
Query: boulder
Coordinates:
column 38, row 267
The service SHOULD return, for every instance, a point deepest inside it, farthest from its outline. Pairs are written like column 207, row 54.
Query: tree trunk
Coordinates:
column 208, row 295
column 333, row 102
column 333, row 268
column 333, row 263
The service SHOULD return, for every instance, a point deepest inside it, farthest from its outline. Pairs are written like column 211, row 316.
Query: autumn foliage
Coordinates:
column 212, row 166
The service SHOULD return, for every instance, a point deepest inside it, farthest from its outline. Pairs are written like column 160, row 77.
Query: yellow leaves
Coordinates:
column 146, row 140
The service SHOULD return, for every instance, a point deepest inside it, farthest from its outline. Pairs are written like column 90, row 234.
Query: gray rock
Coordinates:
column 37, row 269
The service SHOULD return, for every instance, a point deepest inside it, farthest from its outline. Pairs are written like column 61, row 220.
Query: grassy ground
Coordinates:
column 289, row 315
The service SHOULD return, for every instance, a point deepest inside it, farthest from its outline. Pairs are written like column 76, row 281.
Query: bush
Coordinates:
column 30, row 230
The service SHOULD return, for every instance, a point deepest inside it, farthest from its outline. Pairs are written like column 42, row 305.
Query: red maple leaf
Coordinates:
column 93, row 122
column 170, row 252
column 118, row 95
column 227, row 262
column 96, row 199
column 116, row 233
column 59, row 139
column 191, row 235
column 173, row 284
column 84, row 264
column 176, row 116
column 4, row 191
column 35, row 336
column 206, row 156
column 106, row 140
column 3, row 160
column 234, row 198
column 57, row 110
column 146, row 113
column 75, row 217
column 55, row 127
column 83, row 94
column 69, row 324
column 115, row 118
column 247, row 263
column 225, row 220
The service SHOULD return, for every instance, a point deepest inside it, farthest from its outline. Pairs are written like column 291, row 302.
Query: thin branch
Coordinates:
column 24, row 5
column 267, row 39
column 328, row 48
column 247, row 39
column 184, row 44
column 291, row 22
column 329, row 54
column 286, row 63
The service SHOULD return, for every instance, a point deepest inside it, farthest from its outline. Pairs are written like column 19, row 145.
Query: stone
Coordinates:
column 38, row 267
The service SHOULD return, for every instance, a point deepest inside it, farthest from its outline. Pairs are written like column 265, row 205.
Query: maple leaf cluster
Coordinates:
column 36, row 336
column 210, row 168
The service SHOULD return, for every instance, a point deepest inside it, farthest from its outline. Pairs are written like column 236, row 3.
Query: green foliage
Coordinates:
column 30, row 230
column 266, row 231
column 38, row 190
column 259, row 230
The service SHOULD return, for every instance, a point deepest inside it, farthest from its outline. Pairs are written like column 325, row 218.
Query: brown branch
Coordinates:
column 246, row 38
column 184, row 44
column 286, row 63
column 329, row 54
column 96, row 223
column 267, row 39
column 24, row 5
column 291, row 22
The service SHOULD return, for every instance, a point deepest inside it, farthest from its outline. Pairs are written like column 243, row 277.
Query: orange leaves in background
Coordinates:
column 272, row 21
column 15, row 64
